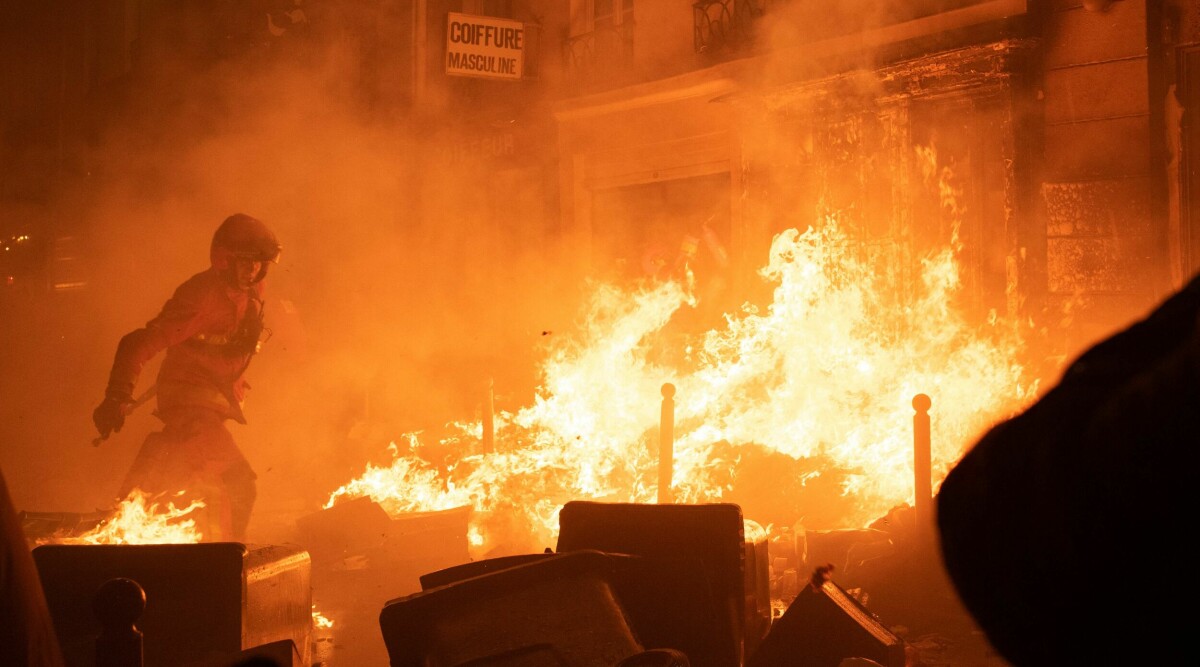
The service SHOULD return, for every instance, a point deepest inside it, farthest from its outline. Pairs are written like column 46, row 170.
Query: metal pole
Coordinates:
column 489, row 421
column 922, row 464
column 666, row 445
column 118, row 604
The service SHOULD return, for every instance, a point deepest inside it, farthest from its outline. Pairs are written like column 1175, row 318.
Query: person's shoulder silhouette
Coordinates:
column 1058, row 527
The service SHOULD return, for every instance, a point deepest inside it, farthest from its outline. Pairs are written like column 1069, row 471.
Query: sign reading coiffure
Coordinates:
column 484, row 46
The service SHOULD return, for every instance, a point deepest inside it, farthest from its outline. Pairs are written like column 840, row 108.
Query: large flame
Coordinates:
column 820, row 381
column 139, row 520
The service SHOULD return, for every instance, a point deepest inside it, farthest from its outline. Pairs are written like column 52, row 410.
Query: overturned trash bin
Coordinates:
column 202, row 600
column 363, row 557
column 558, row 610
column 686, row 584
column 824, row 627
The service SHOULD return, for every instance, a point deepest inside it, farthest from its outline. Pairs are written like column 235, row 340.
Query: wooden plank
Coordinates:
column 1098, row 149
column 1078, row 36
column 1090, row 92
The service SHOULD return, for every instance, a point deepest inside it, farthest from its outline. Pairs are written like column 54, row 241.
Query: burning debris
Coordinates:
column 138, row 519
column 800, row 411
column 797, row 412
column 820, row 381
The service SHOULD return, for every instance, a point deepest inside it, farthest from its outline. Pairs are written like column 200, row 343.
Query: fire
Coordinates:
column 320, row 622
column 137, row 520
column 822, row 378
column 322, row 637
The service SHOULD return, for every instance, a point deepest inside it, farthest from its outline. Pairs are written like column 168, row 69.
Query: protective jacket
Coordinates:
column 210, row 330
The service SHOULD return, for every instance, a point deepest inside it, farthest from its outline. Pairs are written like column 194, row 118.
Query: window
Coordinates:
column 606, row 13
column 601, row 45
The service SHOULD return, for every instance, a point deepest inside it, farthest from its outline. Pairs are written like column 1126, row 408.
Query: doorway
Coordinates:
column 660, row 230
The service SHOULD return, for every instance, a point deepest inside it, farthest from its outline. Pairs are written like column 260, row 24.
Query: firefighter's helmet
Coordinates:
column 243, row 237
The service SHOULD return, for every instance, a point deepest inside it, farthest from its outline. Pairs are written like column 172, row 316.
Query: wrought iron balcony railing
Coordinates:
column 605, row 54
column 724, row 25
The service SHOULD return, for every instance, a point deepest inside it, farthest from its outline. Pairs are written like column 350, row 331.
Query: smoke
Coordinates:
column 400, row 293
column 420, row 260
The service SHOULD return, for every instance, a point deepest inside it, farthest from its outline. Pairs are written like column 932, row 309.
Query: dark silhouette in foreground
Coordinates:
column 1063, row 529
column 27, row 637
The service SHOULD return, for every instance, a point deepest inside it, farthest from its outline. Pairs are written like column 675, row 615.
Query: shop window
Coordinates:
column 607, row 13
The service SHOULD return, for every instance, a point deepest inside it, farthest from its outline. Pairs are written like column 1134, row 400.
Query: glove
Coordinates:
column 109, row 416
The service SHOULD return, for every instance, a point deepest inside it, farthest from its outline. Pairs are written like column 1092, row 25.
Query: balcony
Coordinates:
column 725, row 28
column 724, row 25
column 602, row 56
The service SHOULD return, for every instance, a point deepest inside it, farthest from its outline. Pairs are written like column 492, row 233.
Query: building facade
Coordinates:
column 645, row 135
column 1065, row 127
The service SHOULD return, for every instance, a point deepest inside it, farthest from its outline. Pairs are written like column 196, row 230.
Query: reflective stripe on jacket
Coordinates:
column 210, row 332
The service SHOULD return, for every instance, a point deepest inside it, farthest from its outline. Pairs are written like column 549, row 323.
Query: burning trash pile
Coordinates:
column 798, row 411
column 790, row 430
column 138, row 519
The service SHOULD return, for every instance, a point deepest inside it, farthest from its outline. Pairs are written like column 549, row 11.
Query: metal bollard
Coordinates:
column 922, row 464
column 666, row 445
column 489, row 419
column 118, row 604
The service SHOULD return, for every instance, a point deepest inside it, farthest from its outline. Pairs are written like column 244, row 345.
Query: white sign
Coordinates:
column 484, row 46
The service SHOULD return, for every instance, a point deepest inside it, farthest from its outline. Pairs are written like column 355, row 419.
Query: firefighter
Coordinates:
column 210, row 328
